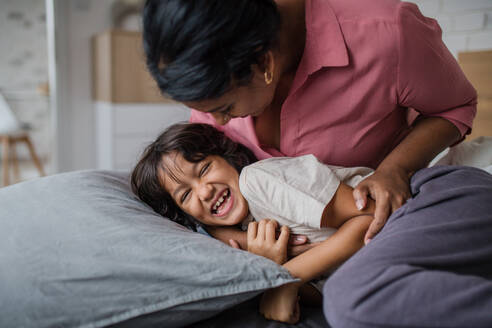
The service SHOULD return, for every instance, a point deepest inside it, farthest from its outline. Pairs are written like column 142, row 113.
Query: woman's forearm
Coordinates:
column 428, row 138
column 331, row 253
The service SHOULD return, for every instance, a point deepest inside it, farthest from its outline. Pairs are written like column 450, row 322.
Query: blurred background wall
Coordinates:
column 69, row 130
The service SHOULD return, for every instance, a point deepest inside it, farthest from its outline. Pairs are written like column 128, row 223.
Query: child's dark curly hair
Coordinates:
column 194, row 142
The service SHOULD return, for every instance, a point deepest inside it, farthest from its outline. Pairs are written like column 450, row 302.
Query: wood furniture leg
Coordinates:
column 5, row 159
column 15, row 163
column 34, row 157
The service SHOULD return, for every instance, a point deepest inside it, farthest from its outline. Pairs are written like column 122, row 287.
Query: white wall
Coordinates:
column 23, row 66
column 76, row 22
column 466, row 24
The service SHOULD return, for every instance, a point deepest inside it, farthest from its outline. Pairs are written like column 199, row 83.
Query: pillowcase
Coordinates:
column 80, row 250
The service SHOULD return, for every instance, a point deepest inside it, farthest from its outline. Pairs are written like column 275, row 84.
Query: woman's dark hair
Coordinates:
column 197, row 49
column 194, row 142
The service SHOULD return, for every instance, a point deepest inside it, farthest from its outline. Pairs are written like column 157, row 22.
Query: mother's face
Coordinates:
column 252, row 99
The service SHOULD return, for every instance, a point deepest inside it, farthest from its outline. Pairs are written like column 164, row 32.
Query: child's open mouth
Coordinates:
column 223, row 203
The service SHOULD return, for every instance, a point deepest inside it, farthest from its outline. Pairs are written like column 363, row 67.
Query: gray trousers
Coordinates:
column 430, row 266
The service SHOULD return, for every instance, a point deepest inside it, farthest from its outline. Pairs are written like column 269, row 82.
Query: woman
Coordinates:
column 334, row 78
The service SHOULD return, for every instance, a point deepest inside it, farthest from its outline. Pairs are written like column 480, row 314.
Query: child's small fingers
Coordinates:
column 270, row 231
column 234, row 244
column 283, row 239
column 252, row 231
column 261, row 229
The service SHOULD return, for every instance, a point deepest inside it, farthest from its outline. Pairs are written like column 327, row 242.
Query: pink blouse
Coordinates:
column 365, row 63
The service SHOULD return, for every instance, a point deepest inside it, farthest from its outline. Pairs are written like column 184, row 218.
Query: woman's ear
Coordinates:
column 268, row 67
column 266, row 62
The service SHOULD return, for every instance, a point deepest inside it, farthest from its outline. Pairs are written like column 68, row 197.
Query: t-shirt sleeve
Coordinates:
column 289, row 189
column 429, row 77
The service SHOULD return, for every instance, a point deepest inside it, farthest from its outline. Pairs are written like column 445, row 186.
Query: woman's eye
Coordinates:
column 227, row 110
column 204, row 169
column 184, row 196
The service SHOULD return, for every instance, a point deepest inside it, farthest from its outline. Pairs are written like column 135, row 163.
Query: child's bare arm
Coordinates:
column 226, row 234
column 352, row 225
column 281, row 303
column 237, row 238
column 332, row 252
column 341, row 208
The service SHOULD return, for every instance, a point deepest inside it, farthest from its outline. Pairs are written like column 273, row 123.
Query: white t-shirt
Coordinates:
column 295, row 191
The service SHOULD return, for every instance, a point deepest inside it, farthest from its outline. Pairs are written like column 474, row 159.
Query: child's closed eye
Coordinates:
column 204, row 169
column 184, row 196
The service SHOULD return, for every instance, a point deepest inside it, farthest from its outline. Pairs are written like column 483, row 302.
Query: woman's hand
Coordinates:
column 390, row 189
column 262, row 240
column 281, row 304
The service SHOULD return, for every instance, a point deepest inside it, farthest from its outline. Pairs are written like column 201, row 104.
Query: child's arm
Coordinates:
column 280, row 303
column 226, row 234
column 236, row 238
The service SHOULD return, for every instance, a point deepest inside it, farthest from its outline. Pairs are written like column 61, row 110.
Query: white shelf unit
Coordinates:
column 124, row 130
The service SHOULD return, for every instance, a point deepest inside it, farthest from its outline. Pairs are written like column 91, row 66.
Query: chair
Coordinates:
column 12, row 132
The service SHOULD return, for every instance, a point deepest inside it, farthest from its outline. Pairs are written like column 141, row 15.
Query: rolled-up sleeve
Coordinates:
column 429, row 77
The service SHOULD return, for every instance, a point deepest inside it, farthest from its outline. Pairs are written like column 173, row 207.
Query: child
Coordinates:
column 195, row 175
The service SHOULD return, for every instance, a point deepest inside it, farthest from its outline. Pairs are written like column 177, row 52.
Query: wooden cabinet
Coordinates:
column 477, row 66
column 129, row 110
column 118, row 69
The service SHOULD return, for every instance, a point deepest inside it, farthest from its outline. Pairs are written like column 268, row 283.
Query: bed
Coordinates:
column 80, row 250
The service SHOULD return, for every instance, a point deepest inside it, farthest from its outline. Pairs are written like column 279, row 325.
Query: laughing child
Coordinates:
column 196, row 176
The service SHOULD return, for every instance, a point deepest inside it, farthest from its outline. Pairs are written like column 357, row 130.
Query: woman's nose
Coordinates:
column 205, row 191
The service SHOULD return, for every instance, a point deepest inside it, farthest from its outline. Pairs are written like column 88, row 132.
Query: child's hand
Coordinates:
column 262, row 241
column 281, row 304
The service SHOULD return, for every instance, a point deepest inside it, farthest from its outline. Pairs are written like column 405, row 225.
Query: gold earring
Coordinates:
column 268, row 77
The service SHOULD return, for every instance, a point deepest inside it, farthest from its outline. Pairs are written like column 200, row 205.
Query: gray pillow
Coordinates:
column 80, row 250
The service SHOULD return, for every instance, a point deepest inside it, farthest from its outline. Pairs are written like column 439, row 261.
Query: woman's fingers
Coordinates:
column 380, row 216
column 390, row 190
column 295, row 240
column 360, row 196
column 381, row 213
column 293, row 251
column 398, row 200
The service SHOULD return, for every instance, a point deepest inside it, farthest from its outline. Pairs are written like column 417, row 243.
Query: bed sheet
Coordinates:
column 476, row 153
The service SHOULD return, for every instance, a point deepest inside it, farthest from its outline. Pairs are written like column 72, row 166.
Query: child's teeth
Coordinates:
column 220, row 200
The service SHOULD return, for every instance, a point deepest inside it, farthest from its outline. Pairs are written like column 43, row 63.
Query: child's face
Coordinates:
column 207, row 190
